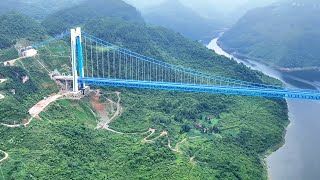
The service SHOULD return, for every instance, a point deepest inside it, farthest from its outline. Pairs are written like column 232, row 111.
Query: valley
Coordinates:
column 125, row 133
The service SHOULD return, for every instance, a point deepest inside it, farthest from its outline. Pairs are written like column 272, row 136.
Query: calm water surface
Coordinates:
column 299, row 158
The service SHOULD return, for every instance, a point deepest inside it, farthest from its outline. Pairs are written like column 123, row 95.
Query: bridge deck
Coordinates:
column 122, row 65
column 68, row 78
column 243, row 91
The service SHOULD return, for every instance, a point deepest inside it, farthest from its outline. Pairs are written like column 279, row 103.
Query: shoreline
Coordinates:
column 238, row 55
column 277, row 146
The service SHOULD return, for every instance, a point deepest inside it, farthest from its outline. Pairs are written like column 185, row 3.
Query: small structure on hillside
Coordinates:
column 28, row 52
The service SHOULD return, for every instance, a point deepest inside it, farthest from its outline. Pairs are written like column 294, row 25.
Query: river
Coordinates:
column 299, row 158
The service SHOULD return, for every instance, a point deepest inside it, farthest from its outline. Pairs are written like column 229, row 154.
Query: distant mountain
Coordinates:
column 226, row 11
column 88, row 10
column 285, row 34
column 37, row 9
column 174, row 15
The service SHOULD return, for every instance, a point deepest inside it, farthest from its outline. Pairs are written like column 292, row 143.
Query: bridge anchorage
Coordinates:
column 100, row 63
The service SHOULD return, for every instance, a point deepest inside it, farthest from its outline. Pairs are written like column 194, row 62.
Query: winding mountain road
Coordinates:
column 36, row 110
column 2, row 81
column 41, row 105
column 101, row 109
column 11, row 62
column 105, row 121
column 6, row 155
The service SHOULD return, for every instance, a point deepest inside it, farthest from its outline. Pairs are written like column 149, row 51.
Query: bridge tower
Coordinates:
column 77, row 58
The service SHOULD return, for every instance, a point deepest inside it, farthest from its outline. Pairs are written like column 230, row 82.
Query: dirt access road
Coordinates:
column 11, row 62
column 2, row 81
column 36, row 110
column 41, row 105
column 107, row 115
column 6, row 155
column 105, row 120
column 104, row 112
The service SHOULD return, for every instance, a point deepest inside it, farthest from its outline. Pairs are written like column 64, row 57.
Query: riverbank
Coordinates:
column 308, row 79
column 298, row 157
column 234, row 53
column 213, row 45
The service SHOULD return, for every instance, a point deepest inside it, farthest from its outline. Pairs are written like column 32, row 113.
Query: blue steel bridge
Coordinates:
column 100, row 63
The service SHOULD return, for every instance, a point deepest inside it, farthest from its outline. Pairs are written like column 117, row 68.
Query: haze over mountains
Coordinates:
column 285, row 34
column 174, row 15
column 199, row 20
column 227, row 11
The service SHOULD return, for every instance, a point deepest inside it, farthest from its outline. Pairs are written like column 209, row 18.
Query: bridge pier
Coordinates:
column 65, row 83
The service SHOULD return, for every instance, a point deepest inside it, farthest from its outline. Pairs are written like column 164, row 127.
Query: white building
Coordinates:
column 28, row 52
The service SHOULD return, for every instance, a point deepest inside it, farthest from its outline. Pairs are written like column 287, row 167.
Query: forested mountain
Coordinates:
column 174, row 15
column 208, row 136
column 14, row 26
column 37, row 9
column 285, row 34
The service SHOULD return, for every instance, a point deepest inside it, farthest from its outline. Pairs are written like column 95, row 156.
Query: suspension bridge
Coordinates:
column 100, row 63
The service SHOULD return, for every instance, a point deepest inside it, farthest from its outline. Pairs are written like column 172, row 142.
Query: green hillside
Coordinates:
column 14, row 26
column 37, row 9
column 282, row 35
column 211, row 136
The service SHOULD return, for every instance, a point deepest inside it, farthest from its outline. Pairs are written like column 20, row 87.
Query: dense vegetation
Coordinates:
column 35, row 8
column 227, row 136
column 69, row 147
column 284, row 35
column 8, row 54
column 174, row 15
column 21, row 96
column 14, row 26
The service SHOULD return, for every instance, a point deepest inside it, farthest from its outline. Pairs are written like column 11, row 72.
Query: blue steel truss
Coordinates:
column 178, row 68
column 260, row 92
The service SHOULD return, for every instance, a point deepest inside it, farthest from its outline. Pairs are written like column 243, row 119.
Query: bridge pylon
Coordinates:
column 77, row 58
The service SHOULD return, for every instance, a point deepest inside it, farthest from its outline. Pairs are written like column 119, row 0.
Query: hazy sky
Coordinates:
column 227, row 11
column 141, row 4
column 204, row 5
